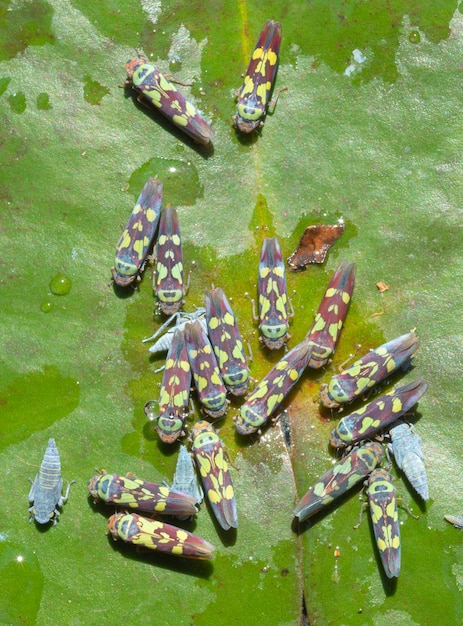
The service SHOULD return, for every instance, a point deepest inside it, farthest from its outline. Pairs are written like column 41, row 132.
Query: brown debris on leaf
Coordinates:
column 381, row 286
column 314, row 245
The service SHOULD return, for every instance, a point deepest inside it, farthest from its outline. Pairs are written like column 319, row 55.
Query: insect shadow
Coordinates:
column 247, row 140
column 206, row 151
column 227, row 537
column 43, row 528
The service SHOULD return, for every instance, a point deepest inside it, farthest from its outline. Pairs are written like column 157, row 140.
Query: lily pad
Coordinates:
column 369, row 132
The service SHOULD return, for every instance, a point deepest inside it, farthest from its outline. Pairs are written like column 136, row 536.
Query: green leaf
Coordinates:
column 369, row 131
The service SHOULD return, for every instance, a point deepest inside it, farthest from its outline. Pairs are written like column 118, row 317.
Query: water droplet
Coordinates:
column 60, row 285
column 151, row 410
column 43, row 102
column 414, row 37
column 46, row 306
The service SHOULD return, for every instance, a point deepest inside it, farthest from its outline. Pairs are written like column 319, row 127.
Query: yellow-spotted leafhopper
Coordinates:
column 226, row 341
column 156, row 90
column 272, row 389
column 208, row 382
column 209, row 454
column 376, row 415
column 273, row 300
column 154, row 535
column 330, row 316
column 253, row 97
column 385, row 518
column 406, row 448
column 132, row 493
column 370, row 370
column 175, row 391
column 168, row 283
column 138, row 236
column 46, row 491
column 340, row 478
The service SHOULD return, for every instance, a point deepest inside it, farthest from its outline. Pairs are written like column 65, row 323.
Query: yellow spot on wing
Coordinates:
column 213, row 496
column 229, row 493
column 180, row 120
